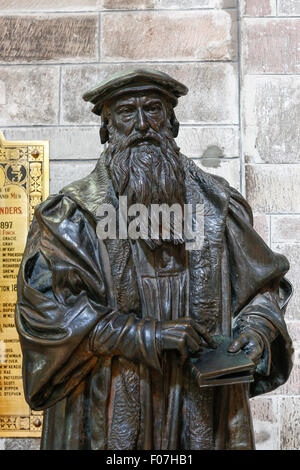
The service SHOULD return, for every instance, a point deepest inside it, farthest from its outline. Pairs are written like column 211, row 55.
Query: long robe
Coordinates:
column 79, row 300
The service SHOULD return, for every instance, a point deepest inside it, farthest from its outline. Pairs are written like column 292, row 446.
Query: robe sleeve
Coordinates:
column 63, row 297
column 260, row 294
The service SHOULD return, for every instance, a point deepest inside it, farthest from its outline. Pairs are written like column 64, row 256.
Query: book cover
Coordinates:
column 212, row 367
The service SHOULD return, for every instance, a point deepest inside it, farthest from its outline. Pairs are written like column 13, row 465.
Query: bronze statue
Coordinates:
column 108, row 326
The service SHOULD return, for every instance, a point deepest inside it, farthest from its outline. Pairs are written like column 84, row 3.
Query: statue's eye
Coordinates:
column 125, row 110
column 153, row 108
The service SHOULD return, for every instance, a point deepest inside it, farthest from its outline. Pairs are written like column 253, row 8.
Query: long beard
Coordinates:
column 148, row 174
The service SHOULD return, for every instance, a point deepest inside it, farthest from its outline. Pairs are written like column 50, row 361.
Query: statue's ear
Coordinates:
column 104, row 134
column 174, row 124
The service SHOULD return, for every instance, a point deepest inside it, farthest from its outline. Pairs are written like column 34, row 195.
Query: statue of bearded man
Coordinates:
column 107, row 325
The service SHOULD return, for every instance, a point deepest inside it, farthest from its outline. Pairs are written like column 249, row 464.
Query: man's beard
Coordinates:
column 148, row 174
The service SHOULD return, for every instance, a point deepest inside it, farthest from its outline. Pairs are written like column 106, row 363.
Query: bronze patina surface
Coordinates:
column 107, row 325
column 24, row 183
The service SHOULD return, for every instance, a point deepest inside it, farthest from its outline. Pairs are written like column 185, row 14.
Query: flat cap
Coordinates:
column 134, row 80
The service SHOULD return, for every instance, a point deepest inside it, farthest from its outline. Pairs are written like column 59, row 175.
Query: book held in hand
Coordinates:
column 212, row 367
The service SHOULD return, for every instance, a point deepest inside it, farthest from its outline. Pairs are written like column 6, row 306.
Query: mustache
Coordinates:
column 149, row 137
column 119, row 142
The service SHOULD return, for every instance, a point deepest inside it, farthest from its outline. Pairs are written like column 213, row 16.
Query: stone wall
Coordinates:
column 270, row 101
column 240, row 61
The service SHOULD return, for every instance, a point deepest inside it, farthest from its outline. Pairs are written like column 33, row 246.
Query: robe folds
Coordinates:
column 79, row 301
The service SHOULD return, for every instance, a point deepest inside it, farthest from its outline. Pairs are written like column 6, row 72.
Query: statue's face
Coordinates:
column 142, row 156
column 139, row 114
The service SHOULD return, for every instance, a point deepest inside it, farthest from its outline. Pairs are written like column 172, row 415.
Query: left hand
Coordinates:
column 251, row 343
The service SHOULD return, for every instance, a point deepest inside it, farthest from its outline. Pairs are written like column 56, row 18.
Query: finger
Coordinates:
column 239, row 343
column 190, row 336
column 254, row 355
column 183, row 350
column 254, row 351
column 206, row 336
column 188, row 339
column 192, row 333
column 193, row 345
column 235, row 346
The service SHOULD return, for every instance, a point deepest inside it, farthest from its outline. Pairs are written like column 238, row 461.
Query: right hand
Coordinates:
column 185, row 335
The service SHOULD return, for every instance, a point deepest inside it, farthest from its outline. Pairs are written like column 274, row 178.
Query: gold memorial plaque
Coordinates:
column 24, row 183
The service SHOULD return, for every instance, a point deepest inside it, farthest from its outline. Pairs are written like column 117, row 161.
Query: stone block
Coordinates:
column 228, row 169
column 209, row 143
column 128, row 4
column 265, row 414
column 66, row 5
column 48, row 38
column 271, row 46
column 273, row 188
column 63, row 173
column 294, row 332
column 30, row 95
column 262, row 226
column 200, row 35
column 213, row 92
column 271, row 107
column 258, row 7
column 288, row 7
column 290, row 423
column 212, row 97
column 98, row 5
column 62, row 5
column 292, row 252
column 285, row 228
column 74, row 143
column 182, row 4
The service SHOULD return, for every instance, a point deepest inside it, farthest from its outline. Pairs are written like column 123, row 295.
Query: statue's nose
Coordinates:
column 141, row 121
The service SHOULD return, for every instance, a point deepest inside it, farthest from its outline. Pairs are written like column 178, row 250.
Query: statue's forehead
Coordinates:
column 137, row 97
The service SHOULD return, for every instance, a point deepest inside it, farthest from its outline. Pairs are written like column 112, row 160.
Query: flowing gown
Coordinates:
column 78, row 298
